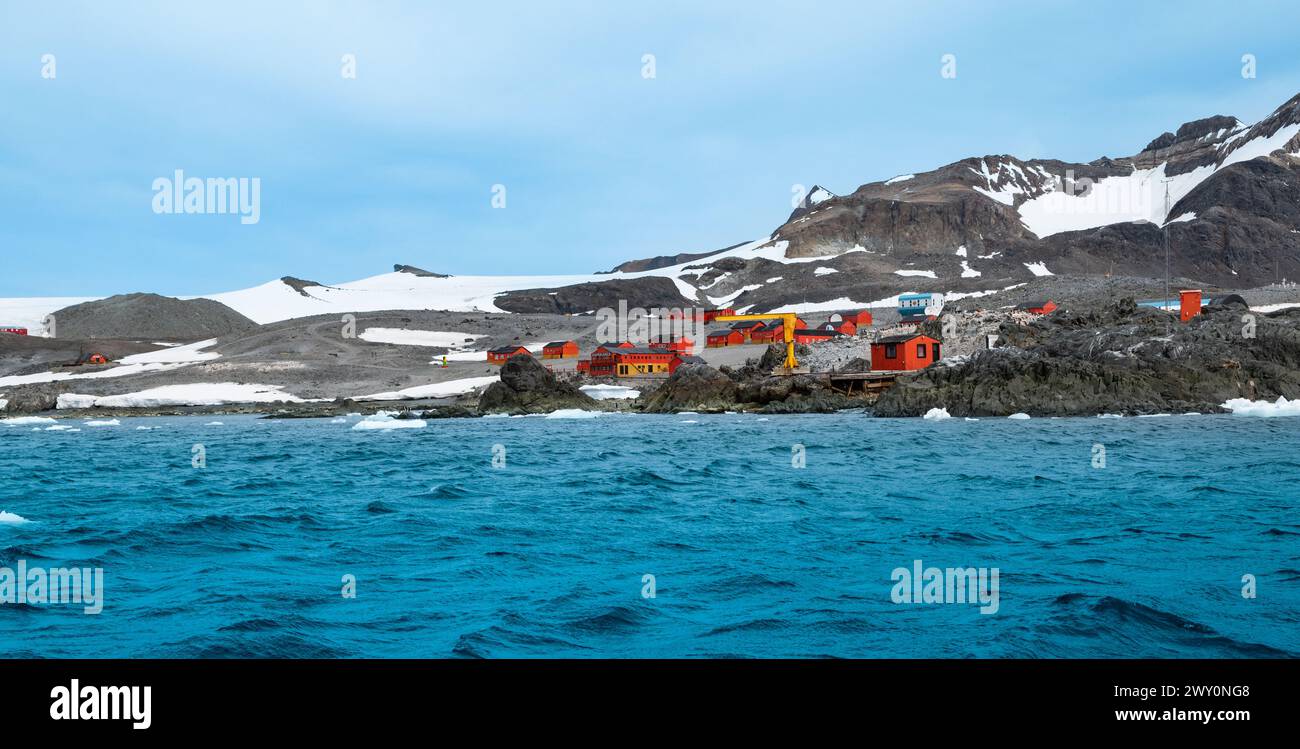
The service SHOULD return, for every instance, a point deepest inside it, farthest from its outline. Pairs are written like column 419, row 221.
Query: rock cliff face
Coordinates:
column 647, row 293
column 1126, row 359
column 528, row 387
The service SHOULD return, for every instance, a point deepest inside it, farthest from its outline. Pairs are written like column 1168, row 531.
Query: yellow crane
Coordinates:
column 788, row 321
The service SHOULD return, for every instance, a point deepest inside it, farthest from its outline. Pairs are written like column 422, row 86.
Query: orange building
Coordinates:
column 501, row 354
column 1189, row 304
column 904, row 352
column 860, row 319
column 1038, row 306
column 681, row 345
column 719, row 338
column 816, row 335
column 602, row 359
column 560, row 350
column 710, row 314
column 638, row 361
column 843, row 327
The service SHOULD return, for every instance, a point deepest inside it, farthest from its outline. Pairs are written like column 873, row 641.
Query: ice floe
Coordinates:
column 384, row 420
column 610, row 392
column 1280, row 407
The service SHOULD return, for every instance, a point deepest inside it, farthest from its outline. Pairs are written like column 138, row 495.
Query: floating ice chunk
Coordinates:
column 18, row 421
column 610, row 392
column 573, row 413
column 384, row 420
column 12, row 518
column 935, row 414
column 1018, row 416
column 1280, row 407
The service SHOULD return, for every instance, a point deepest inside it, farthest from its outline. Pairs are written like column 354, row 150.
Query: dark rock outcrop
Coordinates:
column 694, row 387
column 528, row 387
column 1125, row 359
column 30, row 399
column 647, row 293
column 299, row 285
column 414, row 271
column 150, row 317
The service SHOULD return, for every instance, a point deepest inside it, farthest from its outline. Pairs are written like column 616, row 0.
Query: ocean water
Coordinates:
column 546, row 556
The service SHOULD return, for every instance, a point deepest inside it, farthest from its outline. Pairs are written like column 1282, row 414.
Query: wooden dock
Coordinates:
column 861, row 383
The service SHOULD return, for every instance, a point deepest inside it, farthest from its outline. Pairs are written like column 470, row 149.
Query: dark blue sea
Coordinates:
column 547, row 555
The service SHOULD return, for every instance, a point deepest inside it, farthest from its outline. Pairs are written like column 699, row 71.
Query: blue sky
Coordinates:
column 600, row 164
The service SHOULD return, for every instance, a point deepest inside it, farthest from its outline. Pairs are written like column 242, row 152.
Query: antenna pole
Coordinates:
column 1166, row 232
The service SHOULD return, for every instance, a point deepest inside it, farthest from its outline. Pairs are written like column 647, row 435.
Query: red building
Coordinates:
column 500, row 354
column 1038, row 306
column 774, row 331
column 560, row 350
column 711, row 314
column 679, row 360
column 13, row 329
column 843, row 327
column 638, row 361
column 904, row 352
column 602, row 359
column 1189, row 304
column 747, row 328
column 860, row 319
column 806, row 336
column 682, row 345
column 719, row 338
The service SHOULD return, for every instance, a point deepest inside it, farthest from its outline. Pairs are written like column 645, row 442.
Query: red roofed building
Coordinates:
column 560, row 350
column 711, row 314
column 682, row 345
column 500, row 354
column 720, row 338
column 860, row 319
column 602, row 359
column 904, row 352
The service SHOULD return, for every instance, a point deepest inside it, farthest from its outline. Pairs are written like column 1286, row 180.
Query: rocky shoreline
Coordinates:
column 1120, row 359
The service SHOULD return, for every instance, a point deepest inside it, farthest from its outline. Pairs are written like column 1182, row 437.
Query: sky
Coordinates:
column 600, row 162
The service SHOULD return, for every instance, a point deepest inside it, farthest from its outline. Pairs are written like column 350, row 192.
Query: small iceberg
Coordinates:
column 18, row 421
column 383, row 420
column 61, row 428
column 103, row 423
column 935, row 414
column 12, row 518
column 573, row 413
column 1280, row 407
column 610, row 392
column 1018, row 416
